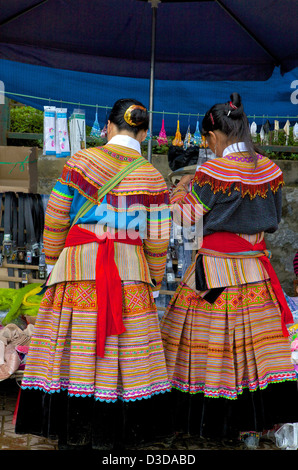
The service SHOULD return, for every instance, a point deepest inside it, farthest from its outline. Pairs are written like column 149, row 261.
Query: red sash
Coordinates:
column 108, row 281
column 226, row 242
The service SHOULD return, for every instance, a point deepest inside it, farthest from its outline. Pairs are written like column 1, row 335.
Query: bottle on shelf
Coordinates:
column 171, row 278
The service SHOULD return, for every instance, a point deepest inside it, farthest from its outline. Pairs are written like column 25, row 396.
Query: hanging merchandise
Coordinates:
column 253, row 131
column 197, row 137
column 295, row 132
column 162, row 138
column 177, row 142
column 104, row 132
column 262, row 135
column 266, row 132
column 287, row 131
column 77, row 130
column 62, row 138
column 276, row 130
column 188, row 139
column 204, row 142
column 95, row 131
column 49, row 133
column 148, row 136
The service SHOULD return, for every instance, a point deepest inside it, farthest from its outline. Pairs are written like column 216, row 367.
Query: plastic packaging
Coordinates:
column 253, row 131
column 287, row 131
column 77, row 131
column 252, row 442
column 287, row 436
column 62, row 137
column 295, row 132
column 276, row 130
column 49, row 130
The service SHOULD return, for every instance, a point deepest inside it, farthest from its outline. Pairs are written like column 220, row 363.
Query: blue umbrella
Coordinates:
column 239, row 17
column 196, row 40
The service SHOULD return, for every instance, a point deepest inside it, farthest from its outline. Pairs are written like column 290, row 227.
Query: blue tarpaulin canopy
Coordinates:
column 277, row 96
column 98, row 51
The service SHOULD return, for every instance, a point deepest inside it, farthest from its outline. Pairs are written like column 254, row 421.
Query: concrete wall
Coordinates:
column 283, row 244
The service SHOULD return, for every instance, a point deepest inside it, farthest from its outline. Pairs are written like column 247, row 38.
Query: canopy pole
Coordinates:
column 154, row 4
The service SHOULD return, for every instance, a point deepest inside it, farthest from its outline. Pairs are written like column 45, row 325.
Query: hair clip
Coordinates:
column 127, row 114
column 229, row 112
column 212, row 120
column 232, row 105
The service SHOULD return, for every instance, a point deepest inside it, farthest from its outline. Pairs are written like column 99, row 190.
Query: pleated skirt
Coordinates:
column 119, row 397
column 228, row 362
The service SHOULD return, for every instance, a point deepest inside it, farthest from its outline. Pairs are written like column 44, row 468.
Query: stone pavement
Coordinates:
column 9, row 389
column 10, row 441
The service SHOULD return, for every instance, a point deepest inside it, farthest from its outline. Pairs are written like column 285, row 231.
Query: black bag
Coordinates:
column 179, row 158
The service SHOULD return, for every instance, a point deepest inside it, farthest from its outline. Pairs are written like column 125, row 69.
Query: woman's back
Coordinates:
column 241, row 198
column 139, row 203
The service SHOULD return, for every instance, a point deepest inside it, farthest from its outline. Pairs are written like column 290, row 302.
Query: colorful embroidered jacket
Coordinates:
column 232, row 196
column 140, row 202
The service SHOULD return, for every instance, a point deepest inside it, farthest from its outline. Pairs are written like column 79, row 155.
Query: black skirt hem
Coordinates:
column 84, row 423
column 221, row 418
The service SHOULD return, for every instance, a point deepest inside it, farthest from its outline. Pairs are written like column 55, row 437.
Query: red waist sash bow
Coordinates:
column 226, row 242
column 108, row 281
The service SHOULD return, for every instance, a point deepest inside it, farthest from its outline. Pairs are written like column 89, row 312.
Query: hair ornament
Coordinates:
column 212, row 120
column 232, row 105
column 127, row 114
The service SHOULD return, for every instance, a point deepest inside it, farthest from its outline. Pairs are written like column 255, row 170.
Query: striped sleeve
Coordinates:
column 187, row 207
column 157, row 239
column 57, row 221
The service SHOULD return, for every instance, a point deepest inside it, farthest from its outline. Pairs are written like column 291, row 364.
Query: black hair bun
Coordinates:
column 130, row 115
column 138, row 116
column 234, row 106
column 236, row 99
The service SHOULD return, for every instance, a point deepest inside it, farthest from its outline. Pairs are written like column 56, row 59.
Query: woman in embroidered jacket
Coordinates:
column 95, row 374
column 224, row 333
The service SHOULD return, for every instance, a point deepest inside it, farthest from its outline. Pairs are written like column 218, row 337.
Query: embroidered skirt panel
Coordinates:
column 220, row 349
column 62, row 349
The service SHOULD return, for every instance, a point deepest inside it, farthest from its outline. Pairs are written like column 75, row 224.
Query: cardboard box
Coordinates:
column 18, row 169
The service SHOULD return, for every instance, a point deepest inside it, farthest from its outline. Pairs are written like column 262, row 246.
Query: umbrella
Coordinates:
column 269, row 50
column 195, row 40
